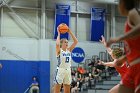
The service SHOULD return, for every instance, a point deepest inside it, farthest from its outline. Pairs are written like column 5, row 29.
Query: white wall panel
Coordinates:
column 24, row 3
column 50, row 24
column 108, row 27
column 73, row 23
column 43, row 49
column 12, row 26
column 50, row 4
column 83, row 33
column 24, row 49
column 18, row 49
column 120, row 26
column 85, row 7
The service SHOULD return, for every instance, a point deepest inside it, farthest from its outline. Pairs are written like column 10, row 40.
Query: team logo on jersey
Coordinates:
column 78, row 55
column 66, row 54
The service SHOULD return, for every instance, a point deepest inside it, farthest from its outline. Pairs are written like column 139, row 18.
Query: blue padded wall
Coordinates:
column 16, row 76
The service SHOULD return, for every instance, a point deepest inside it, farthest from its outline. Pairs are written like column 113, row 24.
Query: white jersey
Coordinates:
column 64, row 59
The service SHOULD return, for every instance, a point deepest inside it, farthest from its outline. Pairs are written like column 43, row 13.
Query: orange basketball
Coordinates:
column 63, row 28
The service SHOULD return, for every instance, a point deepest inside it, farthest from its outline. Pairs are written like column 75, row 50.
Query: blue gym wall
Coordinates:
column 16, row 76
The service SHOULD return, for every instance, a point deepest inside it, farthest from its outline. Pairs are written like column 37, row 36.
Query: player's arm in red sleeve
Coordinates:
column 134, row 18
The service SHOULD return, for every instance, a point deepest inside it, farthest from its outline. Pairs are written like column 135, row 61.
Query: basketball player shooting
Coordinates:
column 63, row 53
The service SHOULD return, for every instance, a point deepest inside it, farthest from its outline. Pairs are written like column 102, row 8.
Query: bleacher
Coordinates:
column 107, row 81
column 105, row 86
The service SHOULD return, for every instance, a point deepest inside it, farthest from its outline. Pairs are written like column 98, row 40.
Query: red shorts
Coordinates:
column 132, row 77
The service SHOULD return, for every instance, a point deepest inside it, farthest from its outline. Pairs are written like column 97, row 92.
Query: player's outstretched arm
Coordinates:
column 130, row 35
column 58, row 43
column 134, row 18
column 103, row 41
column 120, row 61
column 110, row 64
column 74, row 39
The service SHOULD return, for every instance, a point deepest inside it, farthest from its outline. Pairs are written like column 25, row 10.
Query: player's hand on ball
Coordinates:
column 69, row 30
column 58, row 30
column 63, row 28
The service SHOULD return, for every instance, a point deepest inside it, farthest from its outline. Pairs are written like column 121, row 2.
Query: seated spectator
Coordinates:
column 0, row 66
column 92, row 62
column 97, row 74
column 74, row 86
column 34, row 86
column 80, row 82
column 73, row 72
column 86, row 75
column 89, row 81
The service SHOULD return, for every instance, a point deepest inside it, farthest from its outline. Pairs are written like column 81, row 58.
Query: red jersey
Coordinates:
column 132, row 46
column 122, row 70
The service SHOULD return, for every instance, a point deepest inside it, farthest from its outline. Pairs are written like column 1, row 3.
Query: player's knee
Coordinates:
column 110, row 91
column 137, row 91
